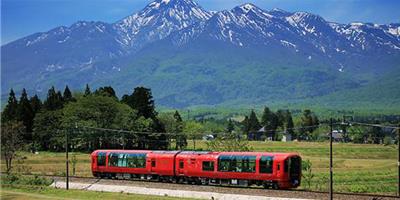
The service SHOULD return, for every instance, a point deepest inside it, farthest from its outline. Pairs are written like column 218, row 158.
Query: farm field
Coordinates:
column 26, row 193
column 357, row 167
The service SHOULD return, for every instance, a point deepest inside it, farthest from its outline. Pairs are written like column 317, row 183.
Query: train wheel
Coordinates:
column 275, row 186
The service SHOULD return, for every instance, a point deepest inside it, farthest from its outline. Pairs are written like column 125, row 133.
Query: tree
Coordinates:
column 100, row 112
column 254, row 124
column 46, row 134
column 87, row 91
column 177, row 116
column 358, row 134
column 193, row 129
column 181, row 140
column 270, row 121
column 377, row 133
column 107, row 91
column 67, row 95
column 245, row 125
column 230, row 127
column 141, row 100
column 10, row 111
column 26, row 115
column 11, row 132
column 54, row 100
column 228, row 143
column 289, row 124
column 36, row 104
column 309, row 123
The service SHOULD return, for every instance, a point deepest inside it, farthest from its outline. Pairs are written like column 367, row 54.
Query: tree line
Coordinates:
column 42, row 125
column 281, row 119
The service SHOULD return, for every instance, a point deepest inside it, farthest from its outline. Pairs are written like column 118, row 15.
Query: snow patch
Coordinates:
column 53, row 67
column 38, row 39
column 64, row 40
column 287, row 44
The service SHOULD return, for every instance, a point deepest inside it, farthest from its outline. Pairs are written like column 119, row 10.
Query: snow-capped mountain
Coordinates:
column 170, row 40
column 158, row 20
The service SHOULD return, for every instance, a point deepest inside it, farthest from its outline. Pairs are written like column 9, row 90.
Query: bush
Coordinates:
column 307, row 174
column 36, row 180
column 388, row 140
column 13, row 179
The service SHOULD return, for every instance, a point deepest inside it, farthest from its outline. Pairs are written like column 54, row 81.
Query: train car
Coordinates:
column 271, row 170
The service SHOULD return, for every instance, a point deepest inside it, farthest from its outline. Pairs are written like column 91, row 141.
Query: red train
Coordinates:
column 271, row 170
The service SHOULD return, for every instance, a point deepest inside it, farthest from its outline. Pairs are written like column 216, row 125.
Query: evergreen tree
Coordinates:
column 87, row 91
column 289, row 124
column 10, row 111
column 177, row 116
column 245, row 125
column 181, row 140
column 67, row 95
column 309, row 122
column 142, row 100
column 377, row 134
column 282, row 116
column 270, row 121
column 254, row 124
column 107, row 91
column 36, row 104
column 230, row 127
column 25, row 114
column 54, row 100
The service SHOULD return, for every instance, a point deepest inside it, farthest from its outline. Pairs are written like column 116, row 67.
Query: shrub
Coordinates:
column 14, row 179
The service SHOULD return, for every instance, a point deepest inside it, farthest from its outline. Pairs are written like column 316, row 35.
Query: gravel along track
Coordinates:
column 257, row 192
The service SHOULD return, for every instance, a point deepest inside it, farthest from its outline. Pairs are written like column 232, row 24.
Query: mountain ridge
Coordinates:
column 293, row 55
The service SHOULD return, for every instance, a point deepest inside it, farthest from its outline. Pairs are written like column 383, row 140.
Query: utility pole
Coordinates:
column 330, row 163
column 66, row 161
column 398, row 161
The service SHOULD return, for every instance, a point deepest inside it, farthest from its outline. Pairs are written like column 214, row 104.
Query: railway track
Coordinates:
column 256, row 191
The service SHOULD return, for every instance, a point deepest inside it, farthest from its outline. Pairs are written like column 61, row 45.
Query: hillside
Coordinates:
column 191, row 57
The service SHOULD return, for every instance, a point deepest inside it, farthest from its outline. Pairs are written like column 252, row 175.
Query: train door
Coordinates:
column 293, row 167
column 153, row 165
column 181, row 167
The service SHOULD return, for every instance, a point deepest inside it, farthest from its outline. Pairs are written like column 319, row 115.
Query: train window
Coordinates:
column 101, row 159
column 121, row 160
column 181, row 164
column 153, row 163
column 266, row 163
column 208, row 166
column 248, row 164
column 136, row 160
column 224, row 163
column 237, row 163
column 113, row 159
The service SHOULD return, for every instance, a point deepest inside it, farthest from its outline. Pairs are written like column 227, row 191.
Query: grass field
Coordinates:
column 33, row 193
column 362, row 168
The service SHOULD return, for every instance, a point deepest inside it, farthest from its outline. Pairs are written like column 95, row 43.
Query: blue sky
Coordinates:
column 23, row 17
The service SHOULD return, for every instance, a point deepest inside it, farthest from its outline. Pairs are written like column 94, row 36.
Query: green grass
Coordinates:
column 357, row 167
column 36, row 193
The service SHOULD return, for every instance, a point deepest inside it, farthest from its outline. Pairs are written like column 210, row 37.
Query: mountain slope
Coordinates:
column 190, row 56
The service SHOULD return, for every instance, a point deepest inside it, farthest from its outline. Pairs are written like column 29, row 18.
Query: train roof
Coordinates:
column 188, row 153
